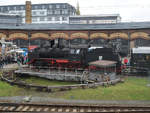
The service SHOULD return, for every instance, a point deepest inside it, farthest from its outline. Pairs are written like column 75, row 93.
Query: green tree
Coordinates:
column 78, row 9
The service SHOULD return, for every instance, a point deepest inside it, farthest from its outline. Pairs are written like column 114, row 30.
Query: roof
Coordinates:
column 103, row 63
column 100, row 15
column 34, row 4
column 130, row 25
column 8, row 14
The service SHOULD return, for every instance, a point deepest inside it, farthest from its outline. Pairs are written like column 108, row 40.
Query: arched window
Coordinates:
column 39, row 42
column 98, row 42
column 63, row 42
column 78, row 41
column 20, row 42
column 142, row 42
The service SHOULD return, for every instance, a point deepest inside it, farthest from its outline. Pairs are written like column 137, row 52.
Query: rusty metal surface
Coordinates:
column 103, row 63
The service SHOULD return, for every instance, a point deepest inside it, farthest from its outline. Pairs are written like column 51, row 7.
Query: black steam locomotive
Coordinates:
column 74, row 56
column 140, row 61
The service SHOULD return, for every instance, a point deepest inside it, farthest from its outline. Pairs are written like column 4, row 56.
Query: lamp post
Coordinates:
column 129, row 49
column 29, row 37
column 148, row 71
column 148, row 78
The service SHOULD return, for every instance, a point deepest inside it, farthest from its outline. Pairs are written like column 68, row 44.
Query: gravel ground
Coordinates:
column 62, row 101
column 10, row 66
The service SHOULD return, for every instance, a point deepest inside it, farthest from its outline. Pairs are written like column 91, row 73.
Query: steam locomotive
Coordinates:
column 140, row 61
column 74, row 56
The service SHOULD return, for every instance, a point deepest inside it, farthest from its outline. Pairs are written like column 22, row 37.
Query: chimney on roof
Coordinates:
column 28, row 19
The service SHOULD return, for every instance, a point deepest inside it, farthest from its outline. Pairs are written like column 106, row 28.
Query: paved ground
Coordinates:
column 52, row 100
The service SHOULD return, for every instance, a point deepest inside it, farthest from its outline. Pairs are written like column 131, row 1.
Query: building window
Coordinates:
column 42, row 12
column 22, row 8
column 54, row 6
column 49, row 19
column 21, row 13
column 39, row 7
column 57, row 11
column 2, row 9
column 98, row 42
column 57, row 18
column 34, row 13
column 57, row 6
column 64, row 18
column 34, row 20
column 78, row 41
column 14, row 8
column 43, row 7
column 65, row 11
column 75, row 22
column 93, row 21
column 42, row 19
column 64, row 6
column 35, row 7
column 50, row 6
column 50, row 12
column 8, row 8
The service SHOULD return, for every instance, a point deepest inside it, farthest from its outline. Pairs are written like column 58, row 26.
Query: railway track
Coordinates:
column 32, row 107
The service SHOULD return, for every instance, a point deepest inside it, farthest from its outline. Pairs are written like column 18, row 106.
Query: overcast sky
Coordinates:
column 129, row 10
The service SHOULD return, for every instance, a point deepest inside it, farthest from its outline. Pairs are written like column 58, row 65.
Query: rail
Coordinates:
column 38, row 107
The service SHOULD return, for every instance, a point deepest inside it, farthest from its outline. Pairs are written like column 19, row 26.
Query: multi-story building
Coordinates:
column 95, row 19
column 43, row 13
column 14, row 19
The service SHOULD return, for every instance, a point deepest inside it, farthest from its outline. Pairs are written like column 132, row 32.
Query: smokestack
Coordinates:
column 28, row 12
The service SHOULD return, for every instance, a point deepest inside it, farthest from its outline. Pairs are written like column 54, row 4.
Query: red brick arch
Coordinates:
column 14, row 36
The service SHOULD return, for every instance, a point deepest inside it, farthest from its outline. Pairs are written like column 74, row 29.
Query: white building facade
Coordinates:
column 14, row 19
column 95, row 19
column 43, row 13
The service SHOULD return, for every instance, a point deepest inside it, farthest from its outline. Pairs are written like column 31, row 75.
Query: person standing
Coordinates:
column 18, row 60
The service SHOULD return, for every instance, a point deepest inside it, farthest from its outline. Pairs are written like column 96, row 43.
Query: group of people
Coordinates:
column 12, row 58
column 21, row 59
